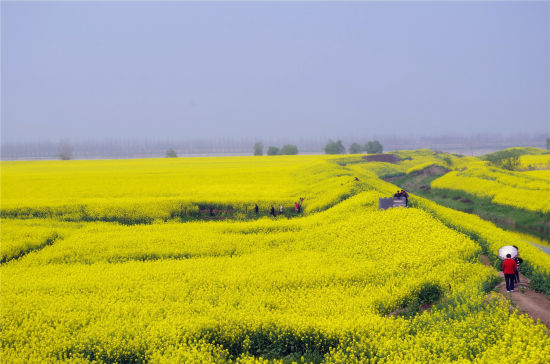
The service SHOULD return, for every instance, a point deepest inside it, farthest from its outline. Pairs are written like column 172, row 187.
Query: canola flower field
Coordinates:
column 517, row 189
column 538, row 161
column 142, row 191
column 117, row 261
column 544, row 174
column 527, row 189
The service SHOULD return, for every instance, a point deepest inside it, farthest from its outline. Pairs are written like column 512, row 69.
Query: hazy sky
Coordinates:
column 198, row 70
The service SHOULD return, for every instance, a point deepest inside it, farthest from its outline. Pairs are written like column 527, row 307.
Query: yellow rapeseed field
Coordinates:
column 141, row 191
column 22, row 236
column 138, row 272
column 544, row 174
column 540, row 161
column 517, row 189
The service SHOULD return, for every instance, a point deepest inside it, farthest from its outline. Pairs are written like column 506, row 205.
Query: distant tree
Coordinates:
column 355, row 148
column 374, row 146
column 378, row 146
column 171, row 153
column 272, row 150
column 65, row 150
column 335, row 147
column 548, row 143
column 288, row 149
column 507, row 159
column 259, row 148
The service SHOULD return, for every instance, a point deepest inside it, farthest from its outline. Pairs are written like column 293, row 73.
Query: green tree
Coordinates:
column 335, row 147
column 272, row 150
column 355, row 148
column 259, row 148
column 378, row 146
column 171, row 153
column 374, row 146
column 548, row 143
column 507, row 159
column 288, row 149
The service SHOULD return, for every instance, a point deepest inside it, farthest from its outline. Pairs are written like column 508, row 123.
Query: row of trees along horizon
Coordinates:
column 506, row 159
column 333, row 147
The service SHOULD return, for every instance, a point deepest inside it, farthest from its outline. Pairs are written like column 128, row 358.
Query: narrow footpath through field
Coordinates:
column 526, row 300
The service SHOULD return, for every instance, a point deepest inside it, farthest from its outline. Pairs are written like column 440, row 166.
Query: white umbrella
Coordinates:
column 508, row 249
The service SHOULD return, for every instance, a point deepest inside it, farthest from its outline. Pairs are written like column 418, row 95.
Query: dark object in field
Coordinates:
column 387, row 202
column 388, row 158
column 256, row 209
column 422, row 187
column 272, row 211
column 467, row 200
column 457, row 198
column 444, row 196
column 211, row 211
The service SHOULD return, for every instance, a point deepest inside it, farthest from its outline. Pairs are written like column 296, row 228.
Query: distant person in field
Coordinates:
column 297, row 207
column 397, row 194
column 256, row 209
column 272, row 211
column 509, row 267
column 211, row 210
column 518, row 261
column 300, row 204
column 280, row 209
column 406, row 195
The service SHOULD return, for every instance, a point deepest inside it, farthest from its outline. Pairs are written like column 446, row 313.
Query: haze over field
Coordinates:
column 212, row 70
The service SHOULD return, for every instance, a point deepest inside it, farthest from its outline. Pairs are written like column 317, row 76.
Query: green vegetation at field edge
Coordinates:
column 506, row 217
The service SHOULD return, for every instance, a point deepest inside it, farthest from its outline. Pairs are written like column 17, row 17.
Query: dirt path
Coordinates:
column 534, row 304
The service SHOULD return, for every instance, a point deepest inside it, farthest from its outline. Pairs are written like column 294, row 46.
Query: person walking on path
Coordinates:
column 280, row 209
column 272, row 211
column 518, row 261
column 509, row 267
column 256, row 209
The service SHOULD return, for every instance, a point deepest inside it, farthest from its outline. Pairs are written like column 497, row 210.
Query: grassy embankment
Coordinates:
column 506, row 217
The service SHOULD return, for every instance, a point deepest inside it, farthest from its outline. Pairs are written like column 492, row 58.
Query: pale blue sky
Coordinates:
column 198, row 70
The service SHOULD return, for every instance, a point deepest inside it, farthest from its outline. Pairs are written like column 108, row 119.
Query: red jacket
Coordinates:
column 509, row 266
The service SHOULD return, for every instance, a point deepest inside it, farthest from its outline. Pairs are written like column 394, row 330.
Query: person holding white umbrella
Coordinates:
column 507, row 249
column 509, row 267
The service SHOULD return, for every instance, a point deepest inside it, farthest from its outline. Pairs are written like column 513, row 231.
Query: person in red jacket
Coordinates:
column 509, row 267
